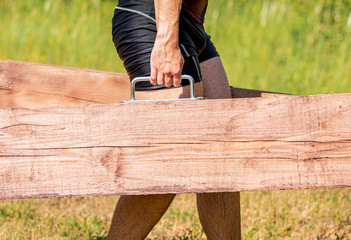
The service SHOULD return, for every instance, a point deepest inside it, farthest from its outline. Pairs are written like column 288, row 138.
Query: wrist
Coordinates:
column 168, row 41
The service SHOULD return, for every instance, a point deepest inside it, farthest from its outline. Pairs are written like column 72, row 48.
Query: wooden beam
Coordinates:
column 11, row 99
column 74, row 84
column 24, row 84
column 249, row 93
column 293, row 142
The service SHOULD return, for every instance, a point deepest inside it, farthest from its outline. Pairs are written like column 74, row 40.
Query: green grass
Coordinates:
column 69, row 33
column 299, row 214
column 300, row 47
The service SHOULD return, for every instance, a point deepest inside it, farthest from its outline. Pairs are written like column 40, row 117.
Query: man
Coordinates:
column 164, row 39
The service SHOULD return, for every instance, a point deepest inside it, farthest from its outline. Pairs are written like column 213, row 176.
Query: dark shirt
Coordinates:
column 196, row 9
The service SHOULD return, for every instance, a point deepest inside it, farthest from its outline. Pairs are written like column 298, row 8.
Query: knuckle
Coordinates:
column 177, row 71
column 167, row 71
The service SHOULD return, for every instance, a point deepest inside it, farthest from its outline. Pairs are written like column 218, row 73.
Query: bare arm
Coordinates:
column 166, row 58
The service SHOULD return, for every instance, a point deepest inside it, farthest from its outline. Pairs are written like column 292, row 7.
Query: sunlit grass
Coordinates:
column 300, row 47
column 69, row 33
column 299, row 214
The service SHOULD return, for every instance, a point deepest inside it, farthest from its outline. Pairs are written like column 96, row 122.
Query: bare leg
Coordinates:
column 220, row 215
column 219, row 212
column 135, row 216
column 215, row 80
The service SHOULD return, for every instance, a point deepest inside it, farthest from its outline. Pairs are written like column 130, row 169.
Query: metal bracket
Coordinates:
column 144, row 79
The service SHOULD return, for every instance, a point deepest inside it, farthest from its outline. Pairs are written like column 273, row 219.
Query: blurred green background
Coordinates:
column 292, row 46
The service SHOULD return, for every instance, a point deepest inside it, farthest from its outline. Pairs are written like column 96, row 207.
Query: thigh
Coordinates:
column 215, row 82
column 134, row 36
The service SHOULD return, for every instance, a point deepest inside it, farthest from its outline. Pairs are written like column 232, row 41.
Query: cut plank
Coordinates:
column 38, row 85
column 75, row 83
column 293, row 142
column 249, row 93
column 24, row 84
column 17, row 99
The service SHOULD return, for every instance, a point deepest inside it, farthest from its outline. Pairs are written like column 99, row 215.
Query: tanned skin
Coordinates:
column 166, row 59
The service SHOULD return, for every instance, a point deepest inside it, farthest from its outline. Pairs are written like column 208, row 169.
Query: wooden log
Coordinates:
column 69, row 83
column 249, row 93
column 294, row 142
column 17, row 99
column 24, row 84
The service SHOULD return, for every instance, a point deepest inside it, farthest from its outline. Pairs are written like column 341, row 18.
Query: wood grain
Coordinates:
column 17, row 99
column 25, row 84
column 249, row 93
column 70, row 83
column 292, row 142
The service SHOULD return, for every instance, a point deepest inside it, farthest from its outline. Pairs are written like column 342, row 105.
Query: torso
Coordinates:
column 196, row 9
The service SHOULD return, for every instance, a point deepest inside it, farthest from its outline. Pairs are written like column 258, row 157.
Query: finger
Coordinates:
column 181, row 63
column 177, row 80
column 168, row 80
column 160, row 78
column 153, row 76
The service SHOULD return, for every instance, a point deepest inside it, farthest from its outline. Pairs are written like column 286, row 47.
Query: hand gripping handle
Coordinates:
column 145, row 79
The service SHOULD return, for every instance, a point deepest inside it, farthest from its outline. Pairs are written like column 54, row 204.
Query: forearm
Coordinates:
column 167, row 21
column 166, row 59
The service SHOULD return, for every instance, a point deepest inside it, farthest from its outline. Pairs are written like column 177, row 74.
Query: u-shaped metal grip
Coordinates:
column 145, row 79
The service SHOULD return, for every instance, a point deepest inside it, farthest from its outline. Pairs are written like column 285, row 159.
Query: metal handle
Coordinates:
column 143, row 79
column 146, row 79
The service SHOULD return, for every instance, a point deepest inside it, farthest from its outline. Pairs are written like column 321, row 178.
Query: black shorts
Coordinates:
column 134, row 32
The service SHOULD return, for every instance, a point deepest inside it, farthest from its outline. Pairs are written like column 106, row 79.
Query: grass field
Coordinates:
column 300, row 47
